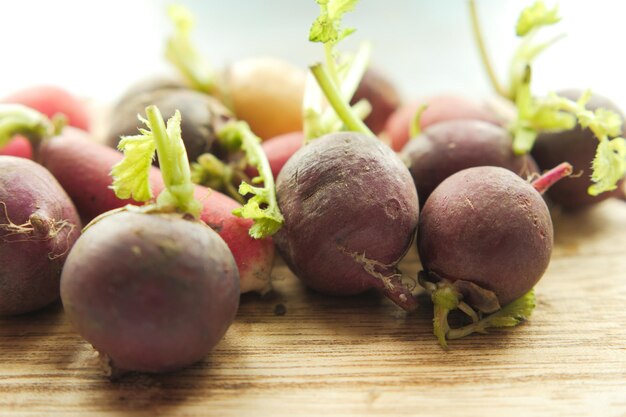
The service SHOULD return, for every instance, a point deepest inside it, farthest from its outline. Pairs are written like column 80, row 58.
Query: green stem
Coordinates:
column 16, row 119
column 179, row 190
column 480, row 42
column 415, row 129
column 335, row 99
column 330, row 62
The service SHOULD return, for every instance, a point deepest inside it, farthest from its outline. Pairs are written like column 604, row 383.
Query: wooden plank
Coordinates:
column 362, row 356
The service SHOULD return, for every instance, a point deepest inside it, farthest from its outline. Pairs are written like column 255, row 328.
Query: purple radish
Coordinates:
column 153, row 289
column 38, row 226
column 485, row 239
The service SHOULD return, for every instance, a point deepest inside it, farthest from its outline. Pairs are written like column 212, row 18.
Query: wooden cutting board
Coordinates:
column 362, row 356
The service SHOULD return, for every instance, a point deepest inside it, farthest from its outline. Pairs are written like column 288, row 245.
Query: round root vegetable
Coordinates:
column 203, row 116
column 438, row 109
column 38, row 226
column 51, row 101
column 153, row 293
column 485, row 239
column 278, row 150
column 451, row 146
column 382, row 96
column 578, row 146
column 19, row 146
column 152, row 288
column 267, row 93
column 350, row 210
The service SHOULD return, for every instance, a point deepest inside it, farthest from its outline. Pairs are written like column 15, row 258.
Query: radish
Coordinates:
column 382, row 96
column 204, row 115
column 19, row 146
column 349, row 205
column 153, row 289
column 38, row 226
column 82, row 167
column 51, row 101
column 437, row 109
column 579, row 147
column 485, row 239
column 451, row 146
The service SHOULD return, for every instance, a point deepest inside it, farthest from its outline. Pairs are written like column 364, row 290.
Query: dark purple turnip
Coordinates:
column 152, row 288
column 350, row 211
column 451, row 146
column 38, row 226
column 485, row 236
column 578, row 147
column 152, row 292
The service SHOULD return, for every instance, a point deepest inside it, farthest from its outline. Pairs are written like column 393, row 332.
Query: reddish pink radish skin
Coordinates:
column 454, row 145
column 381, row 94
column 83, row 167
column 577, row 146
column 488, row 226
column 154, row 293
column 38, row 226
column 51, row 100
column 278, row 150
column 18, row 146
column 351, row 210
column 440, row 108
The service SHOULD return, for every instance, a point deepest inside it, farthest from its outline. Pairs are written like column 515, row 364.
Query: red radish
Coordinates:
column 38, row 226
column 82, row 167
column 382, row 96
column 438, row 109
column 19, row 146
column 52, row 100
column 153, row 289
column 278, row 150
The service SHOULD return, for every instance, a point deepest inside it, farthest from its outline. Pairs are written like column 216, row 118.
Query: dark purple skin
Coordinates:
column 454, row 145
column 345, row 196
column 488, row 226
column 203, row 116
column 154, row 293
column 578, row 147
column 381, row 94
column 32, row 256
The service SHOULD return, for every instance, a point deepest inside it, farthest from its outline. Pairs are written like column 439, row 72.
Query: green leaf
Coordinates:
column 327, row 27
column 510, row 315
column 262, row 207
column 131, row 174
column 609, row 165
column 181, row 52
column 513, row 313
column 536, row 16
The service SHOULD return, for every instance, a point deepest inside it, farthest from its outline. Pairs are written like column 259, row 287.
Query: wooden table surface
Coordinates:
column 362, row 356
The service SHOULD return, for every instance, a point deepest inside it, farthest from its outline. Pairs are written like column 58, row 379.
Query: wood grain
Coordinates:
column 362, row 356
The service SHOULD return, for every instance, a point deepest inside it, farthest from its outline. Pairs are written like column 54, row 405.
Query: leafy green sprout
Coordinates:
column 326, row 29
column 554, row 114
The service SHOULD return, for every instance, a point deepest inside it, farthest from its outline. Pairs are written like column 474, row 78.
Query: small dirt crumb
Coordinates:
column 280, row 310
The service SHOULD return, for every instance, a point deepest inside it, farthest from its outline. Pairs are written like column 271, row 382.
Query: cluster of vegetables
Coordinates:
column 154, row 278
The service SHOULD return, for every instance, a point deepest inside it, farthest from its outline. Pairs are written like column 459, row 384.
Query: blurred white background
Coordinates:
column 96, row 49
